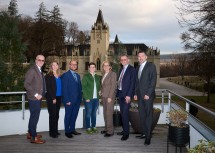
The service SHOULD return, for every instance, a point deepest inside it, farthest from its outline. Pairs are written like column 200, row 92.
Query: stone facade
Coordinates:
column 101, row 49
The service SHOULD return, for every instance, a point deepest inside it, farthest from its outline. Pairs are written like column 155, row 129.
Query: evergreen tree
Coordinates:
column 56, row 16
column 42, row 14
column 13, row 8
column 11, row 54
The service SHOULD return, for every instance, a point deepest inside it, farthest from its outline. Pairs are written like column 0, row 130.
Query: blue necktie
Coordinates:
column 75, row 76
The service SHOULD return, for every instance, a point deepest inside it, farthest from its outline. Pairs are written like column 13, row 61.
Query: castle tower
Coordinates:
column 99, row 41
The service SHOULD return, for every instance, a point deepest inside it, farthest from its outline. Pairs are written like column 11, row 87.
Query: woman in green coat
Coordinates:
column 91, row 84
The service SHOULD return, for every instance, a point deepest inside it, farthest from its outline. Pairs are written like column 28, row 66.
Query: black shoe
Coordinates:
column 53, row 136
column 120, row 133
column 58, row 133
column 75, row 133
column 147, row 141
column 103, row 132
column 108, row 135
column 142, row 136
column 124, row 137
column 68, row 135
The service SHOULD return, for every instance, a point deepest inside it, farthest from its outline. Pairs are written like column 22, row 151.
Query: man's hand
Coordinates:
column 146, row 97
column 39, row 97
column 127, row 99
column 69, row 103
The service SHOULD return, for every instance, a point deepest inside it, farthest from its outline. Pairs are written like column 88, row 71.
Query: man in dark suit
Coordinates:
column 71, row 97
column 126, row 82
column 35, row 85
column 145, row 93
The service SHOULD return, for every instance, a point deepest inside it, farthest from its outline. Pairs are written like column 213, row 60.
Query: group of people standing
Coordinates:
column 69, row 89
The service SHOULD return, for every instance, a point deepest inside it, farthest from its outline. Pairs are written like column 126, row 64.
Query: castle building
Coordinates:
column 100, row 49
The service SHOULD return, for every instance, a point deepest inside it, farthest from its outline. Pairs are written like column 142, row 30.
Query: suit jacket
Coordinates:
column 128, row 81
column 109, row 85
column 51, row 87
column 88, row 85
column 33, row 82
column 147, row 82
column 71, row 89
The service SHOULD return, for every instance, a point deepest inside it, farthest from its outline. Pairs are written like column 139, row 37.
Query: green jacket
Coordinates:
column 88, row 85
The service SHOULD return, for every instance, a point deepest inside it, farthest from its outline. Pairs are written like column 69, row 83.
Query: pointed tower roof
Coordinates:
column 116, row 41
column 100, row 18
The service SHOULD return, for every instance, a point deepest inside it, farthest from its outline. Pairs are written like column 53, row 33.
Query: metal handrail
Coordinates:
column 192, row 103
column 23, row 99
column 163, row 92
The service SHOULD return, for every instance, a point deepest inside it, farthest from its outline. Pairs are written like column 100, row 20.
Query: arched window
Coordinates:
column 98, row 63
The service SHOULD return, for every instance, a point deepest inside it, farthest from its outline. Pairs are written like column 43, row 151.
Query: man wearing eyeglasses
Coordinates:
column 35, row 85
column 71, row 97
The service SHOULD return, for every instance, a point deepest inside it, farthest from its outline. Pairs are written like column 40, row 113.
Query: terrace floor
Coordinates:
column 85, row 143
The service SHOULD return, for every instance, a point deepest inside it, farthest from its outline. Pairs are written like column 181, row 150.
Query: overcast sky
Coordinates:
column 152, row 22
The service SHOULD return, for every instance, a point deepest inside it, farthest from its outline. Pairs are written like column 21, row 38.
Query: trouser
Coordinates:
column 53, row 110
column 108, row 109
column 90, row 112
column 145, row 113
column 71, row 114
column 34, row 107
column 124, row 110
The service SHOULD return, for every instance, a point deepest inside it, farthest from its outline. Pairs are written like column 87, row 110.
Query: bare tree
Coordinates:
column 73, row 32
column 83, row 37
column 199, row 17
column 180, row 62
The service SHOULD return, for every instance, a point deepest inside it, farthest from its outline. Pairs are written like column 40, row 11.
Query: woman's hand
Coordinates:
column 87, row 100
column 109, row 100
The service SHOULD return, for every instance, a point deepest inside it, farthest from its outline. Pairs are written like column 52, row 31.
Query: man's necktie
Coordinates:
column 75, row 76
column 120, row 79
column 140, row 72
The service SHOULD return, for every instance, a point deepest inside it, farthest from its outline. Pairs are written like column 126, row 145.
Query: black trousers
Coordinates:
column 146, row 115
column 53, row 110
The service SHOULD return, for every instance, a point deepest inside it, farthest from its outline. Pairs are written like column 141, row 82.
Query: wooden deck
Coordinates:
column 85, row 143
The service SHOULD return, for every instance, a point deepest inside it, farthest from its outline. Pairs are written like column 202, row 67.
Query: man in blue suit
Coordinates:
column 126, row 83
column 71, row 97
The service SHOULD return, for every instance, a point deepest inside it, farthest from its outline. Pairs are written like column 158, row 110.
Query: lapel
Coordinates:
column 71, row 76
column 143, row 69
column 126, row 72
column 107, row 77
column 38, row 71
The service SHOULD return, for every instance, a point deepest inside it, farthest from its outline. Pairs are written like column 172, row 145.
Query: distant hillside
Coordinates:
column 170, row 56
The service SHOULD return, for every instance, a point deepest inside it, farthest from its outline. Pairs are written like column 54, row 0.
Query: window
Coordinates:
column 98, row 41
column 98, row 63
column 63, row 66
column 136, row 64
column 86, row 65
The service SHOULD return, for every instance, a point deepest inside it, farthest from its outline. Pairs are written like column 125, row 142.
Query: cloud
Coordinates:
column 152, row 22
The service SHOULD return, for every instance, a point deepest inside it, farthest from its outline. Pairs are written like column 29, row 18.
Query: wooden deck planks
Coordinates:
column 85, row 143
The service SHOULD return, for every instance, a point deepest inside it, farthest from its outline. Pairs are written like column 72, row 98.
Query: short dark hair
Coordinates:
column 91, row 63
column 141, row 51
column 123, row 55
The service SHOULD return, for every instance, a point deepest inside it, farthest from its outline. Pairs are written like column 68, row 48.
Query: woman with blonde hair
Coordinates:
column 108, row 97
column 53, row 97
